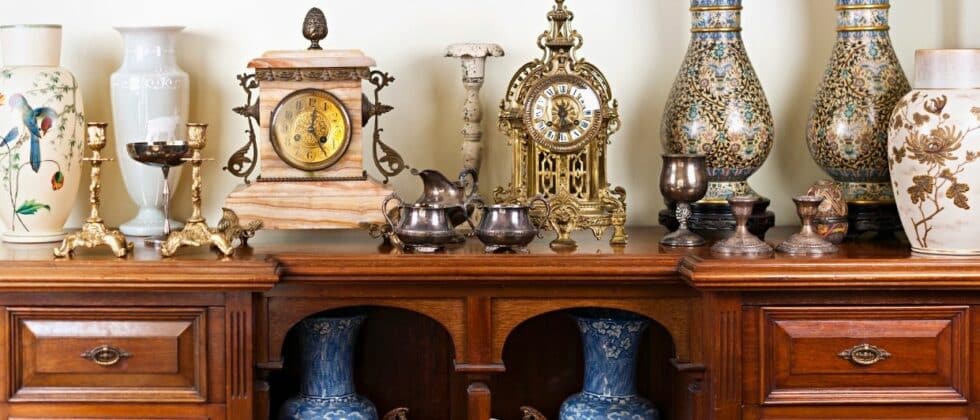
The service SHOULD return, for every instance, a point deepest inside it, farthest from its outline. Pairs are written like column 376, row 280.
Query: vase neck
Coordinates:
column 610, row 346
column 862, row 16
column 149, row 48
column 31, row 45
column 716, row 18
column 327, row 356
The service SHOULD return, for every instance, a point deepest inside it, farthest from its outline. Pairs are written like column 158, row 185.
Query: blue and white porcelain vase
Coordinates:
column 717, row 106
column 847, row 132
column 611, row 340
column 326, row 389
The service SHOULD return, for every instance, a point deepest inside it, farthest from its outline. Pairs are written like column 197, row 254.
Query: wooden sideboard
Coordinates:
column 870, row 333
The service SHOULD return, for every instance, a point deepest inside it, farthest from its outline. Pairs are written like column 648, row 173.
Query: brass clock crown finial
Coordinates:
column 315, row 28
column 560, row 36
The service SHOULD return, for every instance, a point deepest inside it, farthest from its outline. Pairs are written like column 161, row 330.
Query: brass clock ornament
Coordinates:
column 305, row 130
column 558, row 115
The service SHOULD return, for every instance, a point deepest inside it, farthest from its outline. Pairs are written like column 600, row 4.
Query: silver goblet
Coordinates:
column 165, row 155
column 683, row 180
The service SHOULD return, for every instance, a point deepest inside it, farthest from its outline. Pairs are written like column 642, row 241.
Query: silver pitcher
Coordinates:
column 421, row 227
column 509, row 226
column 457, row 195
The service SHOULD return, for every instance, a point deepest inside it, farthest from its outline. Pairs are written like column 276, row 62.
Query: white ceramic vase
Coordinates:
column 150, row 99
column 42, row 132
column 934, row 153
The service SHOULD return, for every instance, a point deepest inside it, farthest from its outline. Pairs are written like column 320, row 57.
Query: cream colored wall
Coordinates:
column 638, row 43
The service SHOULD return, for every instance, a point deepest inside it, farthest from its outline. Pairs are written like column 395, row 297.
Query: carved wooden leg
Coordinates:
column 723, row 328
column 238, row 351
column 478, row 401
column 689, row 390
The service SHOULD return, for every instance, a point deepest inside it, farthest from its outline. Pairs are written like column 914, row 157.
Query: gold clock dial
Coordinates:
column 310, row 129
column 563, row 113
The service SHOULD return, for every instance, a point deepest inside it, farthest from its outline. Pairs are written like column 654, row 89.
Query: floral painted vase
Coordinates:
column 326, row 390
column 42, row 129
column 934, row 154
column 847, row 131
column 611, row 340
column 717, row 106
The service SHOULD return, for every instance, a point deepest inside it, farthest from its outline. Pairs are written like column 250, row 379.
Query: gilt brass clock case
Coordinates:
column 288, row 158
column 595, row 120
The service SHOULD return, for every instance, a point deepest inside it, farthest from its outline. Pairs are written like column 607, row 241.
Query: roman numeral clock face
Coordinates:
column 310, row 129
column 563, row 114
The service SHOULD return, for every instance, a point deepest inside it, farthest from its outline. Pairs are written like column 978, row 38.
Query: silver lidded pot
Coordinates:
column 510, row 226
column 421, row 227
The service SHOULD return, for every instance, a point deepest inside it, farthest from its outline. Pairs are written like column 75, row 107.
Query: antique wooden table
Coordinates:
column 870, row 333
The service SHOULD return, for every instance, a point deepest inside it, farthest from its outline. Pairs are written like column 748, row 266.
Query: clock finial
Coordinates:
column 315, row 28
column 560, row 36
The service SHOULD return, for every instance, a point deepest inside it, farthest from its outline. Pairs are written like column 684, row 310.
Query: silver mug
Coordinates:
column 421, row 227
column 509, row 226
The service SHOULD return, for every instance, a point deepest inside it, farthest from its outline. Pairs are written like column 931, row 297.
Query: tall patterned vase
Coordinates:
column 717, row 107
column 934, row 153
column 847, row 132
column 611, row 340
column 326, row 389
column 42, row 129
column 150, row 98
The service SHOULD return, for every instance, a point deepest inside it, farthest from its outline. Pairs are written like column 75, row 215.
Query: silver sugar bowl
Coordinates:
column 509, row 226
column 421, row 227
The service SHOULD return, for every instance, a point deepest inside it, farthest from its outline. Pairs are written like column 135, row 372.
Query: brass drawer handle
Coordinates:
column 106, row 355
column 864, row 354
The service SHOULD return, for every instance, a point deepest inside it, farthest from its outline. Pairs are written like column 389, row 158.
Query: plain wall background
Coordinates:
column 639, row 44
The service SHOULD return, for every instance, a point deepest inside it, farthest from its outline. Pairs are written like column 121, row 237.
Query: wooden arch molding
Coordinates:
column 448, row 314
column 674, row 314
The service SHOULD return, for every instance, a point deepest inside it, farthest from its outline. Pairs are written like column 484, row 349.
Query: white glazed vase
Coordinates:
column 934, row 154
column 42, row 131
column 150, row 99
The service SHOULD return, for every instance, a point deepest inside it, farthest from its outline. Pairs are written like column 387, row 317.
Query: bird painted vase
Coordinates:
column 847, row 132
column 150, row 100
column 326, row 388
column 42, row 126
column 611, row 340
column 934, row 154
column 717, row 106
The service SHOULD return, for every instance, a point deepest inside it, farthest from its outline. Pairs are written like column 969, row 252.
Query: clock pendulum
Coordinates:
column 94, row 232
column 559, row 114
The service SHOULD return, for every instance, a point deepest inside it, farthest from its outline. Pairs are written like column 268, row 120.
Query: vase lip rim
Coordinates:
column 608, row 314
column 32, row 25
column 147, row 28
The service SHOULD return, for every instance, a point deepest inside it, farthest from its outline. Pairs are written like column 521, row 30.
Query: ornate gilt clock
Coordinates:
column 558, row 115
column 305, row 132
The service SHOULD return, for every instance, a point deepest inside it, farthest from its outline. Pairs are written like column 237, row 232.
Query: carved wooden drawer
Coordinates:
column 834, row 355
column 117, row 354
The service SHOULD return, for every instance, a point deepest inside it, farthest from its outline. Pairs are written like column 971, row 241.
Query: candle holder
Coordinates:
column 743, row 242
column 94, row 232
column 808, row 241
column 196, row 231
column 165, row 155
column 474, row 60
column 684, row 180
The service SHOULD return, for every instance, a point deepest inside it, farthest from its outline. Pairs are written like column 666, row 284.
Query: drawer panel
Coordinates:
column 863, row 355
column 110, row 354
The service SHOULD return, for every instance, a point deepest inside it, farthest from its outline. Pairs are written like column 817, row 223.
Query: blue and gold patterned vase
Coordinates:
column 611, row 340
column 717, row 107
column 847, row 132
column 327, row 385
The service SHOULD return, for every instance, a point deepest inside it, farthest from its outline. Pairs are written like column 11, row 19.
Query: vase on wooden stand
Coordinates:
column 847, row 132
column 717, row 107
column 42, row 132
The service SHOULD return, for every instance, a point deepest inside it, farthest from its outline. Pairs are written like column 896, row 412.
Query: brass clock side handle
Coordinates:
column 242, row 163
column 864, row 354
column 106, row 355
column 388, row 161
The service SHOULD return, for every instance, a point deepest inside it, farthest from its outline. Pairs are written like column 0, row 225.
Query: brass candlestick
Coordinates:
column 743, row 242
column 94, row 232
column 808, row 241
column 196, row 231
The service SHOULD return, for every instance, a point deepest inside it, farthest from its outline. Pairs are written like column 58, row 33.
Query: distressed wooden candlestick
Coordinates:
column 94, row 232
column 474, row 60
column 196, row 231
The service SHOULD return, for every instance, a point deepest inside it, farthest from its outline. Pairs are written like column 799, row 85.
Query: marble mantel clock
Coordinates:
column 305, row 132
column 558, row 115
